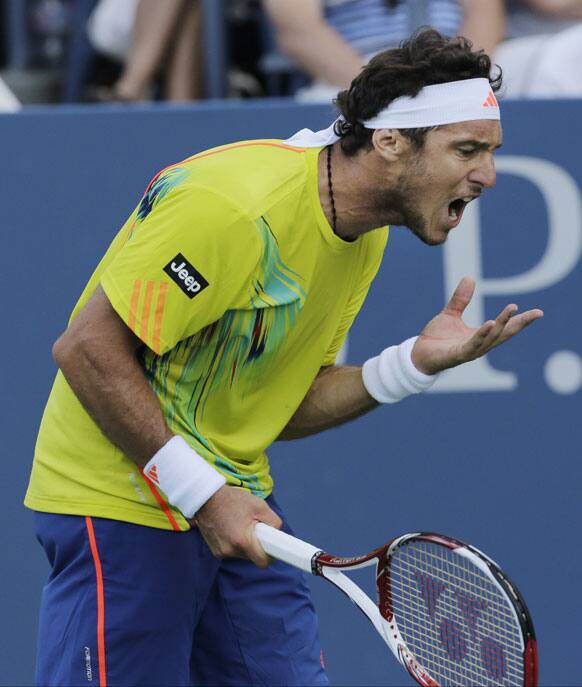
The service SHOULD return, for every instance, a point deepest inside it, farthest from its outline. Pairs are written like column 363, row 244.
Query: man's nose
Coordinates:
column 485, row 174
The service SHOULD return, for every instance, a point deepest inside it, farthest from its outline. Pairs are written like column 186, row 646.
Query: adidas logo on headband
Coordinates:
column 491, row 100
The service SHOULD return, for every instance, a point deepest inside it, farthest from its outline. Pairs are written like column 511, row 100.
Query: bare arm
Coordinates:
column 303, row 35
column 565, row 9
column 97, row 355
column 338, row 393
column 336, row 396
column 484, row 23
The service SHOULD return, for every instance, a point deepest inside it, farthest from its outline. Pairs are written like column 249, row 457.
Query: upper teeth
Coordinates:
column 467, row 199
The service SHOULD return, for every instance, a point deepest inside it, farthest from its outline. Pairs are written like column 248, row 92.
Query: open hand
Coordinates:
column 447, row 341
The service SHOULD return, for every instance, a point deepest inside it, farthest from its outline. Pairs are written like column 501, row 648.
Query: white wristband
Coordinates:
column 186, row 478
column 391, row 376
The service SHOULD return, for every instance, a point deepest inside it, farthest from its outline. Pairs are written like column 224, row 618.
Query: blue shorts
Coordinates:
column 133, row 605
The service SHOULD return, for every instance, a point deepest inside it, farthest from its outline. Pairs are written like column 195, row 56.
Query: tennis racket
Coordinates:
column 447, row 611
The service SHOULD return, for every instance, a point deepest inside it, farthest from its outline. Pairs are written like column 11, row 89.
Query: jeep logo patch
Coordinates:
column 188, row 279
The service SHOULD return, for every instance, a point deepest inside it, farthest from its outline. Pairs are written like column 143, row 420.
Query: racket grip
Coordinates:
column 286, row 548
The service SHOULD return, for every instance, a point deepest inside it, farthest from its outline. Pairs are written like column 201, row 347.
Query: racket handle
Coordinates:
column 286, row 548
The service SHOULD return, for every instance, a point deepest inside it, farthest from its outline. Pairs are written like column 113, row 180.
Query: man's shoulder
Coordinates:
column 248, row 174
column 247, row 151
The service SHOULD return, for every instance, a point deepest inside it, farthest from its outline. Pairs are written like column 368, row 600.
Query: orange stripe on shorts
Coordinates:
column 100, row 602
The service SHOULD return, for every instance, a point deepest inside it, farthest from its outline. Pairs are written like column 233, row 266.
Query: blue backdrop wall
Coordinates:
column 490, row 456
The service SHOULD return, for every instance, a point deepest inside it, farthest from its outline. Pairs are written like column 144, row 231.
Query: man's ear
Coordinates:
column 390, row 144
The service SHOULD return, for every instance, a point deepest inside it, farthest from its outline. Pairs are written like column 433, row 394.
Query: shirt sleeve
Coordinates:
column 372, row 261
column 189, row 257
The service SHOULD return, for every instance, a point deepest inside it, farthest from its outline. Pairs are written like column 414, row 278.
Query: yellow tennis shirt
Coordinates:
column 230, row 274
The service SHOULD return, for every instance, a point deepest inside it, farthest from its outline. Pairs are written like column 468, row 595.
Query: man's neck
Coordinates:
column 353, row 181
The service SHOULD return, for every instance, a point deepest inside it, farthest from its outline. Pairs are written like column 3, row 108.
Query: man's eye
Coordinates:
column 466, row 151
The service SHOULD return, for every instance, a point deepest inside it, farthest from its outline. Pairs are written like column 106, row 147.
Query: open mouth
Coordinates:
column 456, row 209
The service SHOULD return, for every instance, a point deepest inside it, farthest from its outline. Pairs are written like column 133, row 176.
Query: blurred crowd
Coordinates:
column 132, row 51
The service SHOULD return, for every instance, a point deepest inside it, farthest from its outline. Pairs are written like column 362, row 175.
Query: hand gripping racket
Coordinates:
column 447, row 611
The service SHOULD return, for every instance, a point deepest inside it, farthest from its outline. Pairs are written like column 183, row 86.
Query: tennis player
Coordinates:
column 208, row 331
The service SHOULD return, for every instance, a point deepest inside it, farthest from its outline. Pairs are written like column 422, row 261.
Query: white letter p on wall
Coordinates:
column 462, row 256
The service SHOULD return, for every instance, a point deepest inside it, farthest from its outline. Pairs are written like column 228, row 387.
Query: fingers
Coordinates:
column 498, row 326
column 227, row 522
column 256, row 552
column 518, row 323
column 495, row 332
column 461, row 296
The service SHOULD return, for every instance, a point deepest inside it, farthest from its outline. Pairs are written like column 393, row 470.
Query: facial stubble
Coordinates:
column 400, row 204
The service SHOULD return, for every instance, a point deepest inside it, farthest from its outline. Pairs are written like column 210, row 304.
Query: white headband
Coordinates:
column 443, row 103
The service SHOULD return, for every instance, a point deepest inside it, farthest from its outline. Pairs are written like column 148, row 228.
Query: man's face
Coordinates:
column 452, row 168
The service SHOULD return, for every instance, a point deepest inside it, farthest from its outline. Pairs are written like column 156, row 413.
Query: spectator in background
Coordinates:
column 154, row 39
column 542, row 56
column 330, row 40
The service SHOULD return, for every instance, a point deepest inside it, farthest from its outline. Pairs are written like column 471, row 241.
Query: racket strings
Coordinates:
column 495, row 616
column 454, row 618
column 451, row 637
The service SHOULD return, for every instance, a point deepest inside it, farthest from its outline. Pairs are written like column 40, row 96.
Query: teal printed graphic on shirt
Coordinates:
column 231, row 354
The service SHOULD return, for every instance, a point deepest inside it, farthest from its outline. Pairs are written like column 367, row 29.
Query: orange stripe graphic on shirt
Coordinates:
column 163, row 505
column 100, row 602
column 245, row 145
column 134, row 303
column 145, row 313
column 159, row 316
column 224, row 149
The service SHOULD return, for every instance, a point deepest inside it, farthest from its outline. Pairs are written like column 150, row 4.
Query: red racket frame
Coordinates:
column 383, row 556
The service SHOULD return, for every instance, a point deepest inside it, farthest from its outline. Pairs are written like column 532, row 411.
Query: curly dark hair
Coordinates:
column 424, row 59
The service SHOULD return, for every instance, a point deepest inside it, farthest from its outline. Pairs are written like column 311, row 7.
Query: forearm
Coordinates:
column 324, row 55
column 484, row 23
column 337, row 395
column 110, row 383
column 342, row 393
column 566, row 9
column 304, row 35
column 98, row 356
column 117, row 396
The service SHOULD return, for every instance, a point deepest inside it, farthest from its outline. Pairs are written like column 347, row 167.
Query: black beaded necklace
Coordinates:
column 330, row 186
